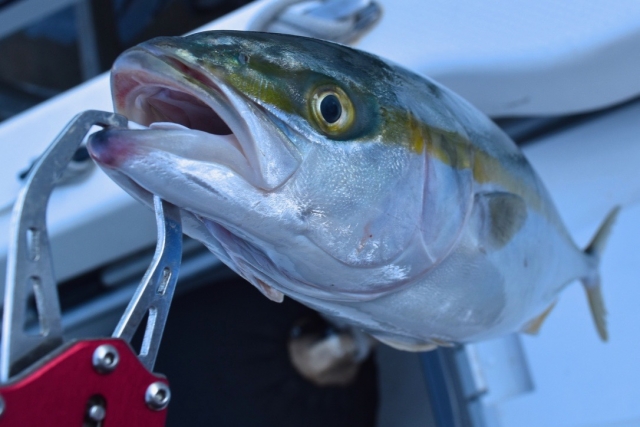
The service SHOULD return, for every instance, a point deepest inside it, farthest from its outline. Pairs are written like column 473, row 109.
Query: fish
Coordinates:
column 348, row 183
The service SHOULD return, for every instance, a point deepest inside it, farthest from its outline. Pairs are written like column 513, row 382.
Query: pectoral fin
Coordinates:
column 500, row 216
column 533, row 327
column 268, row 291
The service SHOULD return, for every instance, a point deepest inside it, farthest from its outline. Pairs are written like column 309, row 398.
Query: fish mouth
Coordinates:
column 181, row 101
column 151, row 86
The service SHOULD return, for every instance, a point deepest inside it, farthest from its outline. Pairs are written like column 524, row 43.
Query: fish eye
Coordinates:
column 332, row 110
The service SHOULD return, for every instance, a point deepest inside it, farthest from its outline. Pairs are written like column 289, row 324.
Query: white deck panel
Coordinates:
column 580, row 381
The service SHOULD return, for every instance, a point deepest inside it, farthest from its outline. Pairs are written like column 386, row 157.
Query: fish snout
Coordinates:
column 109, row 148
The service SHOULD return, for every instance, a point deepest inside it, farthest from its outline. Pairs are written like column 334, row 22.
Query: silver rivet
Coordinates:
column 96, row 412
column 2, row 406
column 157, row 396
column 105, row 358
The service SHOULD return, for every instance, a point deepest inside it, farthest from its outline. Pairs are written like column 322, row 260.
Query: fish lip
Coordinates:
column 191, row 79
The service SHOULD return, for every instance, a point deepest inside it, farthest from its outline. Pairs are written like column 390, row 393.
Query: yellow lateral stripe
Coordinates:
column 454, row 150
column 417, row 135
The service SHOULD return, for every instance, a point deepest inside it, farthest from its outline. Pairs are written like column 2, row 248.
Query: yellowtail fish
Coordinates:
column 365, row 191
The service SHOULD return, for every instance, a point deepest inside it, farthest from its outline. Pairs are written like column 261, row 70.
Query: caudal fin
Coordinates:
column 592, row 283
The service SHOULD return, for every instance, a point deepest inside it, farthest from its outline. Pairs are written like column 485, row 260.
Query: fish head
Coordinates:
column 296, row 161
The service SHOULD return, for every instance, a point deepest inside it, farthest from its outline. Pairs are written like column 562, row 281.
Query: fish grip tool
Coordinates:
column 95, row 382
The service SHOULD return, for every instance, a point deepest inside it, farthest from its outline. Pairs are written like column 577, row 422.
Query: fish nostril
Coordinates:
column 243, row 58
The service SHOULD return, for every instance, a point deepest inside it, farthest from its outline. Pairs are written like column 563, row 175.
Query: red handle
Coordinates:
column 98, row 380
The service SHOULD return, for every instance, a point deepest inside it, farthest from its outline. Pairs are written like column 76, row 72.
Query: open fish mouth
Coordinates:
column 192, row 114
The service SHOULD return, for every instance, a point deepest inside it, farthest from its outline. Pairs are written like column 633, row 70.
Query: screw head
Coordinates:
column 157, row 396
column 105, row 358
column 96, row 412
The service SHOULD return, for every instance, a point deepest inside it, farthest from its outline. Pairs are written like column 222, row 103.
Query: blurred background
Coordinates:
column 49, row 46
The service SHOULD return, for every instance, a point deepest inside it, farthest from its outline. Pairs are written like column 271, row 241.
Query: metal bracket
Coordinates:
column 29, row 265
column 342, row 21
column 154, row 294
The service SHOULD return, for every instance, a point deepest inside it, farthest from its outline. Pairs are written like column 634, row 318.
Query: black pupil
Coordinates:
column 330, row 108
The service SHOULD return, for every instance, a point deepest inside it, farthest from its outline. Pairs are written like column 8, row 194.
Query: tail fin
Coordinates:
column 592, row 283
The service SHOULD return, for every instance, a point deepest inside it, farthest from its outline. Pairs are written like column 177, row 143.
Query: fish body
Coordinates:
column 361, row 189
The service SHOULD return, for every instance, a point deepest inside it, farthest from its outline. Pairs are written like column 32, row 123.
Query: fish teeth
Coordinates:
column 166, row 126
column 157, row 125
column 134, row 125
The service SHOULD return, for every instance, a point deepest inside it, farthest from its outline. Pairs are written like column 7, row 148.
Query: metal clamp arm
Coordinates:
column 101, row 381
column 29, row 266
column 154, row 294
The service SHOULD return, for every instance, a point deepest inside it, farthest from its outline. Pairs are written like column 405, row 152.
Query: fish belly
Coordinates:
column 474, row 293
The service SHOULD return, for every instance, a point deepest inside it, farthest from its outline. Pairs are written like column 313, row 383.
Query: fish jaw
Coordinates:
column 153, row 85
column 241, row 149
